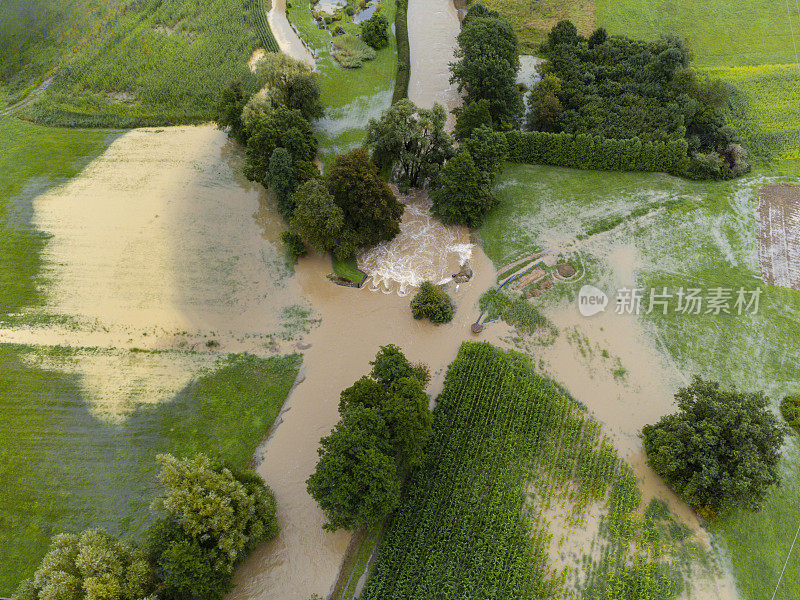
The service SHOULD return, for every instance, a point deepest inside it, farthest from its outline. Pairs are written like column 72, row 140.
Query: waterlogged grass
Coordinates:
column 64, row 469
column 348, row 269
column 33, row 159
column 702, row 236
column 351, row 96
column 177, row 56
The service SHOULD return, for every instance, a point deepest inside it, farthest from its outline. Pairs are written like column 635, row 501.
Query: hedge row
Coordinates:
column 403, row 51
column 586, row 151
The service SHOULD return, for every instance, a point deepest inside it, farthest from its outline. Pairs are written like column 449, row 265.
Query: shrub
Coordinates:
column 790, row 409
column 720, row 450
column 431, row 302
column 375, row 31
column 470, row 116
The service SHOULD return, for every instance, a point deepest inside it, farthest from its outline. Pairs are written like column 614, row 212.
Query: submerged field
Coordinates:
column 670, row 232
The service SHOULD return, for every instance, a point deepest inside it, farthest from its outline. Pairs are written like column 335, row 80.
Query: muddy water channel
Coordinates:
column 288, row 40
column 433, row 27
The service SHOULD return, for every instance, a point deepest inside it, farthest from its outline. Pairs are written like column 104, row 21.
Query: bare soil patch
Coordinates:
column 779, row 235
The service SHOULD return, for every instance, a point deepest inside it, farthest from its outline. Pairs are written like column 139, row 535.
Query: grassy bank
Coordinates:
column 65, row 468
column 698, row 235
column 34, row 158
column 146, row 63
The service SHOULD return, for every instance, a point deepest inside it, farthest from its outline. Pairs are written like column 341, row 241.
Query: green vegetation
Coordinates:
column 178, row 56
column 66, row 469
column 403, row 52
column 375, row 31
column 790, row 409
column 515, row 310
column 433, row 303
column 462, row 195
column 384, row 427
column 34, row 158
column 506, row 447
column 720, row 451
column 347, row 268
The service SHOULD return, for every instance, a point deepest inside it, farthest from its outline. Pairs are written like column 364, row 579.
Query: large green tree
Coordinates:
column 318, row 220
column 282, row 179
column 371, row 211
column 486, row 66
column 471, row 115
column 489, row 150
column 410, row 143
column 375, row 31
column 270, row 128
column 462, row 196
column 720, row 450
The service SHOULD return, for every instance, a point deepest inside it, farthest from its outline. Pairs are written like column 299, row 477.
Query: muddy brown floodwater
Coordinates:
column 304, row 559
column 433, row 27
column 288, row 40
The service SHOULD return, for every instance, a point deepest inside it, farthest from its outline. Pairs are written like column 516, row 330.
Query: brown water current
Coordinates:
column 433, row 27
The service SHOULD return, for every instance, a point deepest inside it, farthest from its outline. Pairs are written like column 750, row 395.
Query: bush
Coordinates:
column 720, row 450
column 294, row 245
column 431, row 302
column 790, row 409
column 375, row 31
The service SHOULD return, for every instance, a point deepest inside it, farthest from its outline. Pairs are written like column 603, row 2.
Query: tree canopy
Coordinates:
column 462, row 196
column 317, row 219
column 720, row 450
column 431, row 302
column 375, row 31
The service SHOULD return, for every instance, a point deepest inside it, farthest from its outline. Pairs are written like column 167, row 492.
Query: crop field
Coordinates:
column 64, row 468
column 697, row 235
column 151, row 63
column 508, row 452
column 351, row 96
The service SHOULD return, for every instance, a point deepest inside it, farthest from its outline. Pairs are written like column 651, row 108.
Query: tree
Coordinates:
column 371, row 211
column 410, row 143
column 409, row 422
column 470, row 116
column 790, row 409
column 489, row 150
column 356, row 481
column 374, row 31
column 720, row 450
column 462, row 196
column 545, row 107
column 229, row 111
column 317, row 219
column 431, row 302
column 391, row 365
column 271, row 128
column 303, row 93
column 89, row 566
column 486, row 67
column 598, row 37
column 283, row 181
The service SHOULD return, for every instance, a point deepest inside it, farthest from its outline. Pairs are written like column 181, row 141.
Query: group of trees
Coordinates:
column 624, row 89
column 210, row 518
column 385, row 424
column 720, row 451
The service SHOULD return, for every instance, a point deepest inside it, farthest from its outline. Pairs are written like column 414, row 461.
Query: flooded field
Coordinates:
column 778, row 251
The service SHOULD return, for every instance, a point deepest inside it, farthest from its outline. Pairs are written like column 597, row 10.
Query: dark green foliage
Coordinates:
column 432, row 302
column 720, row 451
column 477, row 11
column 371, row 211
column 623, row 89
column 487, row 65
column 489, row 150
column 302, row 93
column 585, row 151
column 295, row 247
column 403, row 51
column 790, row 409
column 410, row 143
column 356, row 481
column 471, row 115
column 385, row 425
column 317, row 219
column 516, row 311
column 277, row 128
column 282, row 180
column 374, row 31
column 462, row 196
column 229, row 111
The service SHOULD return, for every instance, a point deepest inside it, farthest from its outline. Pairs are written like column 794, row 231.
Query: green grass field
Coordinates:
column 350, row 96
column 34, row 158
column 143, row 63
column 698, row 235
column 65, row 469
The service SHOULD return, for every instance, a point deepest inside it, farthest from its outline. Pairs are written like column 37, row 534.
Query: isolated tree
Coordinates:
column 371, row 211
column 375, row 31
column 356, row 481
column 489, row 150
column 317, row 219
column 471, row 115
column 283, row 181
column 545, row 107
column 410, row 143
column 720, row 450
column 487, row 65
column 433, row 303
column 271, row 128
column 462, row 196
column 89, row 566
